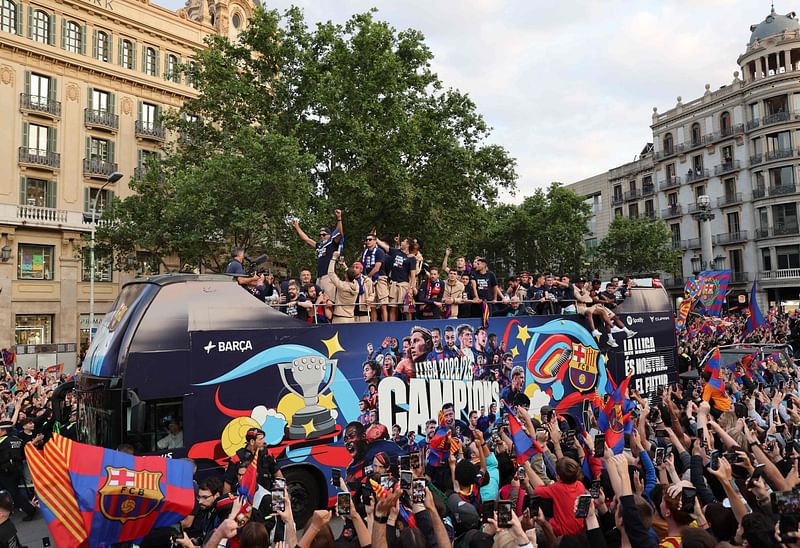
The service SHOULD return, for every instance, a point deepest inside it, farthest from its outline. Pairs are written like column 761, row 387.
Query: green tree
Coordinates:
column 545, row 233
column 637, row 246
column 292, row 121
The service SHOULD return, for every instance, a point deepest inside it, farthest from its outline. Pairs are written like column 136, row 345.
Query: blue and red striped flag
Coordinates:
column 713, row 288
column 485, row 313
column 713, row 365
column 92, row 496
column 756, row 318
column 524, row 445
column 442, row 444
column 614, row 419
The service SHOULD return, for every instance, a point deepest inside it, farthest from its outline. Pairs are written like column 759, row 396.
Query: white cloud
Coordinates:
column 569, row 86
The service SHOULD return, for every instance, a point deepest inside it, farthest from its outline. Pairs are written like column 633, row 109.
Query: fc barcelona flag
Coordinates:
column 713, row 287
column 92, row 496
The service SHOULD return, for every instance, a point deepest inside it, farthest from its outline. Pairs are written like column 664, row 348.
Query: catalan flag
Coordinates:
column 92, row 496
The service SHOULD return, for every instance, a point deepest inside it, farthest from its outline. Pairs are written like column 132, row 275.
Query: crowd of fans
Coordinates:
column 390, row 281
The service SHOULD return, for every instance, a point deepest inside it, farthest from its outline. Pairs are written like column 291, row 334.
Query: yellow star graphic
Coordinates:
column 522, row 333
column 514, row 352
column 309, row 427
column 333, row 345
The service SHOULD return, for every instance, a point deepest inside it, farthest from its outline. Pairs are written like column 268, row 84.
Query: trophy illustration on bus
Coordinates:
column 308, row 372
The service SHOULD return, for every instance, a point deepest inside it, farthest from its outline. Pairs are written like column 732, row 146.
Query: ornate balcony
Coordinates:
column 672, row 211
column 150, row 130
column 694, row 175
column 731, row 237
column 779, row 154
column 39, row 157
column 632, row 195
column 100, row 119
column 617, row 199
column 729, row 199
column 727, row 167
column 671, row 182
column 777, row 231
column 647, row 190
column 752, row 124
column 93, row 167
column 693, row 243
column 732, row 131
column 782, row 274
column 777, row 118
column 756, row 159
column 39, row 105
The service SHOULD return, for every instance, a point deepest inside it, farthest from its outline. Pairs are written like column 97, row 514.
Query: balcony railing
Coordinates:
column 672, row 211
column 647, row 190
column 678, row 244
column 782, row 274
column 741, row 277
column 779, row 154
column 752, row 124
column 39, row 104
column 671, row 182
column 661, row 154
column 776, row 118
column 100, row 118
column 693, row 208
column 632, row 195
column 617, row 199
column 726, row 132
column 149, row 130
column 41, row 214
column 780, row 190
column 756, row 159
column 776, row 231
column 693, row 243
column 759, row 192
column 727, row 167
column 651, row 214
column 731, row 237
column 696, row 175
column 93, row 166
column 729, row 199
column 673, row 282
column 39, row 157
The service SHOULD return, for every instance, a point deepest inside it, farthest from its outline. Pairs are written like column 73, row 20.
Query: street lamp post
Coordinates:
column 113, row 178
column 705, row 216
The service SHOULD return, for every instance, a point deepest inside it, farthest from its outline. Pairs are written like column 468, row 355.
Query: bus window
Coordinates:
column 163, row 427
column 96, row 417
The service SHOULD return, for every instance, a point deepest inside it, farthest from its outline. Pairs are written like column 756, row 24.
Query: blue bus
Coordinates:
column 183, row 365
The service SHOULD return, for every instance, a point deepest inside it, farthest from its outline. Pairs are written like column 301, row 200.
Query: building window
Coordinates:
column 236, row 20
column 99, row 101
column 784, row 219
column 103, row 198
column 672, row 198
column 40, row 27
column 633, row 211
column 781, row 177
column 39, row 89
column 8, row 16
column 34, row 329
column 73, row 37
column 730, row 189
column 38, row 140
column 696, row 136
column 763, row 219
column 733, row 222
column 591, row 244
column 127, row 54
column 102, row 46
column 670, row 172
column 618, row 212
column 766, row 259
column 727, row 154
column 191, row 80
column 171, row 70
column 35, row 262
column 147, row 264
column 150, row 61
column 725, row 122
column 149, row 116
column 788, row 256
column 668, row 144
column 735, row 257
column 103, row 264
column 98, row 150
column 37, row 192
column 649, row 210
column 676, row 233
column 699, row 191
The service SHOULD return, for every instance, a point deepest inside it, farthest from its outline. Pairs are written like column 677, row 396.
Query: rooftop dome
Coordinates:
column 774, row 24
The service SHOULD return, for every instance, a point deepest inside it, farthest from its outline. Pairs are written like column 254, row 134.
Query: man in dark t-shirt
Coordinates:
column 8, row 532
column 324, row 249
column 484, row 283
column 401, row 268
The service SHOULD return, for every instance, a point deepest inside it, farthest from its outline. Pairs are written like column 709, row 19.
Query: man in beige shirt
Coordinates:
column 346, row 292
column 453, row 294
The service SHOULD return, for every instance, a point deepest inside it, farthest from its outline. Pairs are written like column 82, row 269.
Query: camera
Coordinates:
column 254, row 266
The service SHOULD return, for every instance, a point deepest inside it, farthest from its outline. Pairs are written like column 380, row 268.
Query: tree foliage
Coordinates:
column 637, row 246
column 293, row 121
column 543, row 234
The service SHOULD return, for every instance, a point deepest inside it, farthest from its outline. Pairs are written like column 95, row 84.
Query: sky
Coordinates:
column 568, row 87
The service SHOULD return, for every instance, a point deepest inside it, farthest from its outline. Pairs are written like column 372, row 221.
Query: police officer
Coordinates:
column 11, row 468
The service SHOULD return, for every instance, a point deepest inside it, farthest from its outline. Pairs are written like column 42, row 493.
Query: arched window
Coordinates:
column 150, row 61
column 40, row 27
column 171, row 70
column 725, row 122
column 668, row 144
column 128, row 54
column 236, row 20
column 696, row 134
column 73, row 37
column 103, row 45
column 8, row 16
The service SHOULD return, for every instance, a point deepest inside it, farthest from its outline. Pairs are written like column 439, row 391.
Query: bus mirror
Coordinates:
column 138, row 410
